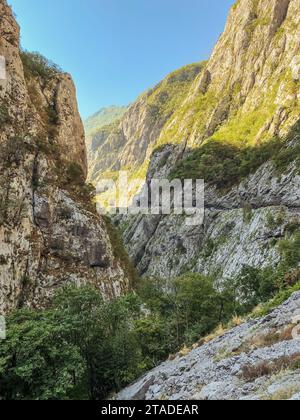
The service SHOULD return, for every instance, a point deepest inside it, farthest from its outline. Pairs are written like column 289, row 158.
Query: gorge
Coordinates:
column 93, row 303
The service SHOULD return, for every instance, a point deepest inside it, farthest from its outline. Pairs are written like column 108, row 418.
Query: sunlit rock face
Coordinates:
column 245, row 95
column 50, row 234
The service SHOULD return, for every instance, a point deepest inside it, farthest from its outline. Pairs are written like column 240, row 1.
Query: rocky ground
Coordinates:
column 257, row 360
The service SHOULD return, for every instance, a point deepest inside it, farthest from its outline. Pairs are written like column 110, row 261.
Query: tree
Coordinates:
column 81, row 347
column 36, row 360
column 199, row 305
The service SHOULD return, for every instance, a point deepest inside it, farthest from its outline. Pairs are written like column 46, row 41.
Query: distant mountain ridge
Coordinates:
column 104, row 116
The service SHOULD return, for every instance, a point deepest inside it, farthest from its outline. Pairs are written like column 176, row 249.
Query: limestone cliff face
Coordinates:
column 252, row 75
column 27, row 100
column 49, row 233
column 244, row 96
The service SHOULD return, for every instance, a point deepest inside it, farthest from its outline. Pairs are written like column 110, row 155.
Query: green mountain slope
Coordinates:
column 103, row 117
column 233, row 122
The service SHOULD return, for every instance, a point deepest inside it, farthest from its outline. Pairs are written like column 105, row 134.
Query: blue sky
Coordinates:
column 117, row 49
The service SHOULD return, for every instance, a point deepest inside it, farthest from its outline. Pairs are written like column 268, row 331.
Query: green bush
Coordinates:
column 38, row 66
column 252, row 287
column 223, row 164
column 290, row 250
column 256, row 286
column 278, row 300
column 189, row 305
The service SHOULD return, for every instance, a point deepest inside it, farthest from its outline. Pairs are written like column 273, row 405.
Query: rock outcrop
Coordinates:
column 244, row 96
column 257, row 360
column 50, row 234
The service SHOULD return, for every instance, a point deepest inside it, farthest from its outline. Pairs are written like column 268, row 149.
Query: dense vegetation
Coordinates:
column 165, row 98
column 82, row 347
column 223, row 164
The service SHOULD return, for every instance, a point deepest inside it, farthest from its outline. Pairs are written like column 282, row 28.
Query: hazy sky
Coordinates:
column 116, row 49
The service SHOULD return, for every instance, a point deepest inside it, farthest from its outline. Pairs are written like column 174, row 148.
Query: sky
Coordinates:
column 117, row 49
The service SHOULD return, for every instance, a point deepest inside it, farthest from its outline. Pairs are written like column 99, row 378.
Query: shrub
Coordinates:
column 38, row 66
column 252, row 372
column 215, row 162
column 290, row 250
column 189, row 305
column 285, row 393
column 224, row 164
column 254, row 286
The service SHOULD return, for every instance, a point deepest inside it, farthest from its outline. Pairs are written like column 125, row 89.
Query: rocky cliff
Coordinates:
column 97, row 127
column 50, row 234
column 257, row 360
column 234, row 123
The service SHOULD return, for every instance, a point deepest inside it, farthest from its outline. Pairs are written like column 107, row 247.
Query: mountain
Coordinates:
column 96, row 128
column 130, row 143
column 50, row 234
column 105, row 116
column 238, row 128
column 233, row 121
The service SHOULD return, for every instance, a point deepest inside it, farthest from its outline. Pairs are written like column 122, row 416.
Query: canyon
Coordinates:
column 233, row 121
